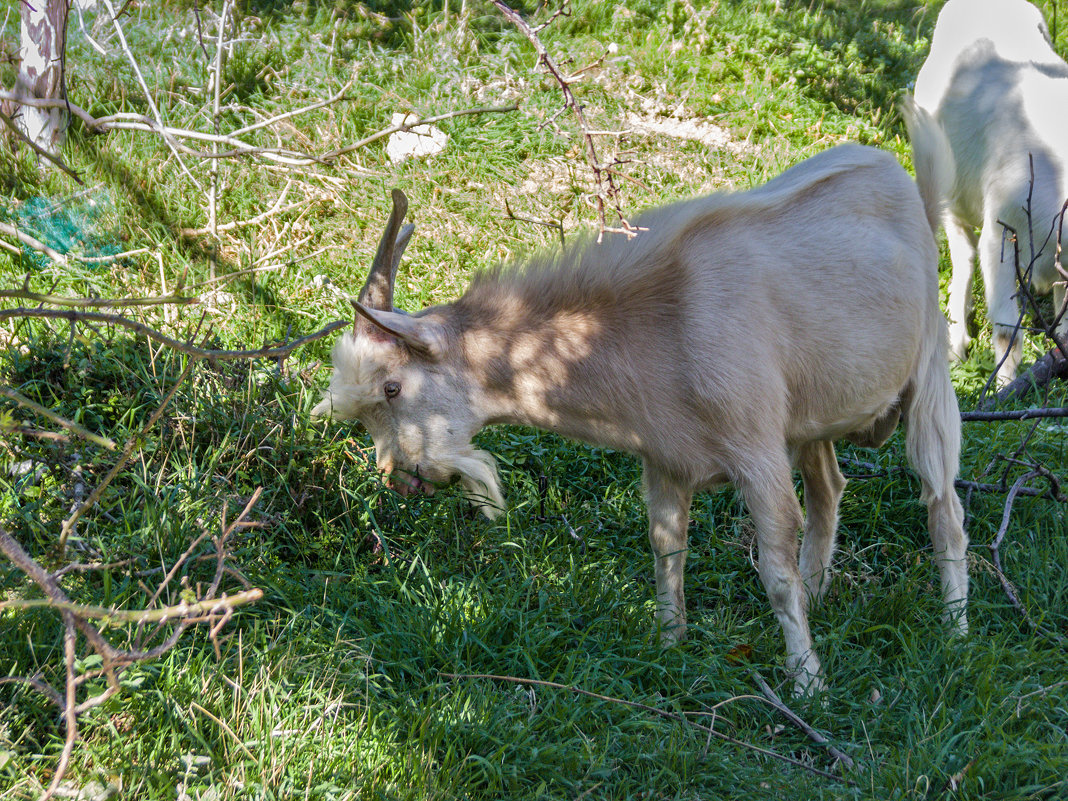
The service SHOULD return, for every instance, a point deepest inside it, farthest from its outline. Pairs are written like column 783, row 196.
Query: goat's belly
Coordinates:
column 868, row 427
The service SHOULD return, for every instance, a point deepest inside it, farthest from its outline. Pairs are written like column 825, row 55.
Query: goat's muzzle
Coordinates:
column 404, row 483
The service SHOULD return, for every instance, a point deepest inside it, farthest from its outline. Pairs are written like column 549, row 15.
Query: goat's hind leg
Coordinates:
column 824, row 484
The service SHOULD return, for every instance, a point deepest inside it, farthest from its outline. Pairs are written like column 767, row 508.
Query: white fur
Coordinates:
column 999, row 95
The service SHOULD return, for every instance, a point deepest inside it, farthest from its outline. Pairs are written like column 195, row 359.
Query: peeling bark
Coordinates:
column 41, row 72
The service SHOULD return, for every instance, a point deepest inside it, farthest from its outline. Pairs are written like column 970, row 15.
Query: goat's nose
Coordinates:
column 405, row 483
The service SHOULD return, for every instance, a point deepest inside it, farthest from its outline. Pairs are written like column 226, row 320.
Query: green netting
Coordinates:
column 85, row 224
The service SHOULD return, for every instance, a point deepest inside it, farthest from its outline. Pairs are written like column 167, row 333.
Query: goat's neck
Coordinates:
column 568, row 373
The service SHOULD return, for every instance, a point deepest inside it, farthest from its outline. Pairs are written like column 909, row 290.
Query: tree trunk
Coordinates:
column 41, row 73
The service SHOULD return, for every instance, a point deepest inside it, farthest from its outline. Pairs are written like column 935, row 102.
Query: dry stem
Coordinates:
column 603, row 173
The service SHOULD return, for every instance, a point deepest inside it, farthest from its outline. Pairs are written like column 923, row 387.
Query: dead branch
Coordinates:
column 276, row 209
column 70, row 425
column 1016, row 414
column 654, row 711
column 995, row 551
column 105, row 303
column 1046, row 369
column 333, row 155
column 211, row 608
column 238, row 147
column 32, row 243
column 603, row 173
column 556, row 225
column 221, row 354
column 112, row 615
column 157, row 117
column 40, row 151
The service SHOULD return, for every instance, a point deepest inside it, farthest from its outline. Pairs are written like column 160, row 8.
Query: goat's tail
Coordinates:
column 932, row 444
column 932, row 434
column 932, row 157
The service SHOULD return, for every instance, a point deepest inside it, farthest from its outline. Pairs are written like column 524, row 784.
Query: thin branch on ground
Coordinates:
column 402, row 127
column 70, row 425
column 554, row 224
column 32, row 243
column 655, row 711
column 112, row 615
column 40, row 151
column 102, row 303
column 158, row 118
column 995, row 551
column 798, row 721
column 210, row 608
column 1016, row 414
column 289, row 158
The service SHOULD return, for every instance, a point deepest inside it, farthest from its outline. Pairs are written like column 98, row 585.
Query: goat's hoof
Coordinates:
column 672, row 635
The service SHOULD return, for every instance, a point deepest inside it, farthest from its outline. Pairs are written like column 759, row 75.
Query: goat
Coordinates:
column 999, row 95
column 735, row 338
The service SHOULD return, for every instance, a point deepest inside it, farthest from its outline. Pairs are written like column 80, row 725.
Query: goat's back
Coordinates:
column 1015, row 30
column 817, row 291
column 795, row 311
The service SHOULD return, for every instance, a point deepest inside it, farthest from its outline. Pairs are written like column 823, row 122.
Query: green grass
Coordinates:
column 333, row 686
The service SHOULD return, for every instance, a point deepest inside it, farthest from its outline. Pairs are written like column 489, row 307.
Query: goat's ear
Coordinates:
column 427, row 337
column 377, row 293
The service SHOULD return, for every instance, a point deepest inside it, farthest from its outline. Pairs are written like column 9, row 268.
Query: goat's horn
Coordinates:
column 377, row 293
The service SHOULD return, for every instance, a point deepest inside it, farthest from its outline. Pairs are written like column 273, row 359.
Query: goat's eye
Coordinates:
column 391, row 389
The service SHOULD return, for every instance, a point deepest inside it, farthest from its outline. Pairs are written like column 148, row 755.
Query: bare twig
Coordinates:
column 111, row 615
column 216, row 610
column 70, row 425
column 602, row 173
column 32, row 243
column 291, row 158
column 796, row 719
column 213, row 190
column 410, row 124
column 1017, row 414
column 148, row 93
column 554, row 224
column 337, row 98
column 995, row 551
column 273, row 352
column 40, row 151
column 104, row 303
column 235, row 224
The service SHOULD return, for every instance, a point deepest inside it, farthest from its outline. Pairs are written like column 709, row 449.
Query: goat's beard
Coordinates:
column 478, row 477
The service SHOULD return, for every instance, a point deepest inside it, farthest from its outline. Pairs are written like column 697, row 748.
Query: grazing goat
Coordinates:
column 734, row 339
column 999, row 94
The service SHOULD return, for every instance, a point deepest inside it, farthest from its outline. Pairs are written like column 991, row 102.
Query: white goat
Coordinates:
column 1000, row 96
column 731, row 341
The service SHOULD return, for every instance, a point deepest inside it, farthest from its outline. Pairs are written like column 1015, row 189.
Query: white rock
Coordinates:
column 423, row 140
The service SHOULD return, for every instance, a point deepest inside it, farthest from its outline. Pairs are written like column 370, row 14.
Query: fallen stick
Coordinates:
column 794, row 718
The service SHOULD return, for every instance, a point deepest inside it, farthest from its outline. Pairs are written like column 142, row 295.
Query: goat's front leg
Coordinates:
column 776, row 513
column 999, row 279
column 1059, row 309
column 669, row 518
column 962, row 241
